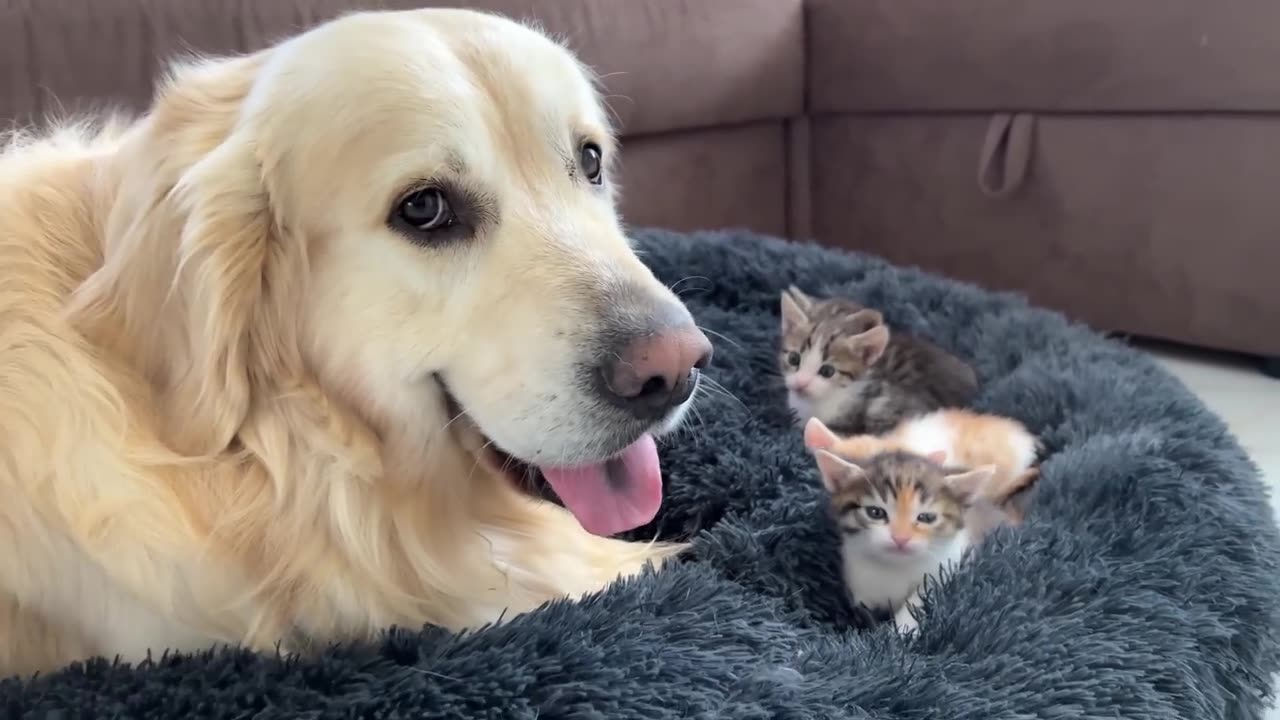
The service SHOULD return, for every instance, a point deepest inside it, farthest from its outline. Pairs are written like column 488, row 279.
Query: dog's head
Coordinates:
column 415, row 211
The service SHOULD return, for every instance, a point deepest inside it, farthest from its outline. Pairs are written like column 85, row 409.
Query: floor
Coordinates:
column 1240, row 394
column 1248, row 400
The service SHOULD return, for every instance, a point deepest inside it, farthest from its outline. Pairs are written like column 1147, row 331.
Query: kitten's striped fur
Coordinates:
column 843, row 366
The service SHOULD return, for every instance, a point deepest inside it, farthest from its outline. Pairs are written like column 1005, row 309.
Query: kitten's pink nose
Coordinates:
column 902, row 541
column 799, row 384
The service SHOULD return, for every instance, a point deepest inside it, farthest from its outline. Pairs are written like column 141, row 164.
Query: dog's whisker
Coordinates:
column 730, row 407
column 685, row 428
column 676, row 285
column 702, row 422
column 475, row 463
column 613, row 113
column 722, row 336
column 766, row 372
column 684, row 431
column 452, row 420
column 719, row 393
column 725, row 395
column 716, row 387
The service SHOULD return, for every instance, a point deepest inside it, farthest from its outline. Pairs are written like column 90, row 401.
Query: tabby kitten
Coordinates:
column 843, row 366
column 903, row 518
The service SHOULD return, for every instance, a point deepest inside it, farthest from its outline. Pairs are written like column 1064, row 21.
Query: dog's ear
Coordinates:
column 192, row 249
column 224, row 247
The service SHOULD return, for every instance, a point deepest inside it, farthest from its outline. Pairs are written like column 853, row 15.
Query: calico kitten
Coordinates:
column 843, row 366
column 904, row 518
column 953, row 437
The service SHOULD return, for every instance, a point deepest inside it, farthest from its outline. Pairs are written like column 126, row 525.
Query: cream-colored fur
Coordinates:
column 221, row 410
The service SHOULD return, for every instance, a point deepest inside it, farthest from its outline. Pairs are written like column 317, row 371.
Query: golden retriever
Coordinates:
column 259, row 349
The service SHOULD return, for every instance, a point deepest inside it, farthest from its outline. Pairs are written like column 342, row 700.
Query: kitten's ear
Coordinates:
column 868, row 318
column 938, row 457
column 793, row 313
column 870, row 345
column 1011, row 500
column 1016, row 487
column 837, row 473
column 971, row 484
column 818, row 436
column 804, row 301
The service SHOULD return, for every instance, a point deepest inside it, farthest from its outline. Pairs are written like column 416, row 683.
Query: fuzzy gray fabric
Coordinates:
column 1145, row 584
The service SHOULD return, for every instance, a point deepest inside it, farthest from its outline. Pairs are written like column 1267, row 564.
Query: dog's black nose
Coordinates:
column 650, row 374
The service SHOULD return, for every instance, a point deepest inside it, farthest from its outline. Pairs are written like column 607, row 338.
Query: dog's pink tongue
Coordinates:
column 612, row 496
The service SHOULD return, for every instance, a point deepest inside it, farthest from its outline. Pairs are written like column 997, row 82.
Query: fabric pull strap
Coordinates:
column 1006, row 154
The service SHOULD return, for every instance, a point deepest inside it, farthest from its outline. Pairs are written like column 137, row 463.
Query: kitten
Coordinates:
column 953, row 437
column 843, row 366
column 903, row 518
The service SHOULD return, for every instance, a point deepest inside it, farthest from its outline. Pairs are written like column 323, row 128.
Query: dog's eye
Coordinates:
column 425, row 210
column 592, row 161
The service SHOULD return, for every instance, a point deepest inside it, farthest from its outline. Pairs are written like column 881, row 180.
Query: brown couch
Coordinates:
column 1113, row 160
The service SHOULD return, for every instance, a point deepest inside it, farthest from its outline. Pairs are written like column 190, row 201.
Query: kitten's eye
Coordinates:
column 826, row 371
column 875, row 513
column 926, row 518
column 424, row 211
column 591, row 158
column 793, row 359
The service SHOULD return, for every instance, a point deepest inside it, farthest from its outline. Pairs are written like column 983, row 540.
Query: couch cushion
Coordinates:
column 1138, row 55
column 738, row 175
column 667, row 64
column 1160, row 226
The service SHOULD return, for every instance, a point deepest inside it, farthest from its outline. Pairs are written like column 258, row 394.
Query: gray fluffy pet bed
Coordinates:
column 1146, row 583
